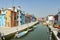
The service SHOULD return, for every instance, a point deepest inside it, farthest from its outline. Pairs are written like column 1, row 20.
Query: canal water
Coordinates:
column 40, row 33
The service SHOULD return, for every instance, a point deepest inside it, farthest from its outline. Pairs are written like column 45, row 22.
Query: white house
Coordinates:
column 18, row 16
column 50, row 20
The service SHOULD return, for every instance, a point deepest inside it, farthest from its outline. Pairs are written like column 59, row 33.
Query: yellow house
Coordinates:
column 8, row 18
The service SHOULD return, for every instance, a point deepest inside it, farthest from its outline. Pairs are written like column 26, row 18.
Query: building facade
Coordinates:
column 51, row 19
column 2, row 17
column 11, row 18
column 33, row 18
column 58, row 17
column 27, row 18
column 18, row 16
column 22, row 18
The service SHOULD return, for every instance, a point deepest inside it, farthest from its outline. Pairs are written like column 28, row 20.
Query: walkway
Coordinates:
column 9, row 30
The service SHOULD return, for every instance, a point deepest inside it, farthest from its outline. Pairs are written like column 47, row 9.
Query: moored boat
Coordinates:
column 18, row 35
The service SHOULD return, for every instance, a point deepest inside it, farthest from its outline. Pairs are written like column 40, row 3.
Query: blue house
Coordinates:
column 33, row 18
column 2, row 18
column 22, row 18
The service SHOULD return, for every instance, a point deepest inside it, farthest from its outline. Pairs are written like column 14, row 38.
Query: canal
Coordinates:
column 39, row 33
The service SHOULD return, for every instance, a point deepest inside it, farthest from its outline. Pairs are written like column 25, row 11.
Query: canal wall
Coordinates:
column 54, row 32
column 10, row 31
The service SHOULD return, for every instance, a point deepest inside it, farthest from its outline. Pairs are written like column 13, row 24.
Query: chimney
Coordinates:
column 13, row 8
column 18, row 7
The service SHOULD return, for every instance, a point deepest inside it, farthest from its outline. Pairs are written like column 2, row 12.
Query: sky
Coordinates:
column 39, row 8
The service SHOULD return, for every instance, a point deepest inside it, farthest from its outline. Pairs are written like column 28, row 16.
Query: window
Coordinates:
column 14, row 18
column 8, row 24
column 17, row 22
column 20, row 16
column 17, row 16
column 20, row 21
column 17, row 10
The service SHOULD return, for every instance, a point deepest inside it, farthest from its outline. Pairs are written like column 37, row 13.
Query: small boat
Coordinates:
column 44, row 23
column 18, row 35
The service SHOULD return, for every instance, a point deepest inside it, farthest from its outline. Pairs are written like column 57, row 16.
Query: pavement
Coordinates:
column 9, row 30
column 55, row 31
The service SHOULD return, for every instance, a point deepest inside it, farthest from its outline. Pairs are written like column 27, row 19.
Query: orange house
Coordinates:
column 13, row 19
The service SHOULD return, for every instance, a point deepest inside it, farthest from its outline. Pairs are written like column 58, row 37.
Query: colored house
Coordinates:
column 33, row 18
column 11, row 18
column 51, row 19
column 18, row 16
column 58, row 17
column 8, row 18
column 22, row 18
column 2, row 18
column 30, row 18
column 27, row 18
